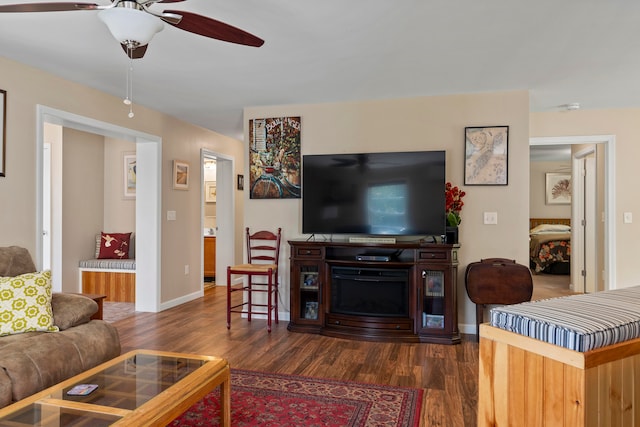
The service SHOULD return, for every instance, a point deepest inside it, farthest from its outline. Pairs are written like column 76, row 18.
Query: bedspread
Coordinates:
column 548, row 248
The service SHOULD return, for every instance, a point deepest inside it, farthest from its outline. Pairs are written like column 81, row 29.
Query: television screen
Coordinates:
column 398, row 193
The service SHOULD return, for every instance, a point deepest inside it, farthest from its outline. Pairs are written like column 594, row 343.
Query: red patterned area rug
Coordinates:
column 265, row 399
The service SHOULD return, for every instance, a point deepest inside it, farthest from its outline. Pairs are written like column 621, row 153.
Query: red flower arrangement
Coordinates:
column 453, row 204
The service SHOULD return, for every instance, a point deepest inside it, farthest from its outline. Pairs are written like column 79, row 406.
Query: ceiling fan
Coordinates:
column 134, row 24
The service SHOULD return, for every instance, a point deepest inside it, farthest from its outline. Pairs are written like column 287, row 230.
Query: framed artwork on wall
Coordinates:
column 558, row 189
column 240, row 182
column 129, row 176
column 210, row 191
column 180, row 175
column 274, row 158
column 486, row 155
column 3, row 131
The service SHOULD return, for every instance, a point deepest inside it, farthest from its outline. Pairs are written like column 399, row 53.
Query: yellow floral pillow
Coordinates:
column 25, row 304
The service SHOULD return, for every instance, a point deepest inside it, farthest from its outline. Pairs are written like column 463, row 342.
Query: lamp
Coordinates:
column 131, row 27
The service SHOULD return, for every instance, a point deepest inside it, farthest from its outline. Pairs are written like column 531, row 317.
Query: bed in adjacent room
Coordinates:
column 550, row 245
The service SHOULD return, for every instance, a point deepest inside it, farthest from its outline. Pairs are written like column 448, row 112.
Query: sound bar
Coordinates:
column 360, row 239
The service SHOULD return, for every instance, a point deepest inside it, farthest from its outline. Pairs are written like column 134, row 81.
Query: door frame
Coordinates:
column 225, row 218
column 609, row 142
column 148, row 198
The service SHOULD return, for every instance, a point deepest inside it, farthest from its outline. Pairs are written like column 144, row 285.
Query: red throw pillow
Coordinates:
column 114, row 245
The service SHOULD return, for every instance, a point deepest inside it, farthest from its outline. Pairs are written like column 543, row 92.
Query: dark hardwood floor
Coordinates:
column 449, row 374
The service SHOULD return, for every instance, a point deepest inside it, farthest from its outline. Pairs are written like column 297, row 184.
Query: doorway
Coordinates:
column 217, row 214
column 148, row 200
column 606, row 248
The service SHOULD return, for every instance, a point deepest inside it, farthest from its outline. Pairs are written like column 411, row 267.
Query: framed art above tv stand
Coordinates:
column 404, row 292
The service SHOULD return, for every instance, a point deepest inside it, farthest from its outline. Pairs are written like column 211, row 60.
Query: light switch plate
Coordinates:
column 628, row 218
column 491, row 218
column 171, row 215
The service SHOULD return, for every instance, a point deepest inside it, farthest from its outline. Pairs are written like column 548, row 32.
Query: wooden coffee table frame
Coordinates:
column 159, row 410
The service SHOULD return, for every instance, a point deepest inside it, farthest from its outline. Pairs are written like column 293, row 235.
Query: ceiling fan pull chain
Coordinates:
column 128, row 100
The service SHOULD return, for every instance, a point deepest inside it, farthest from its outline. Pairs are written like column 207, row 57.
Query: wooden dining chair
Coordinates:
column 263, row 252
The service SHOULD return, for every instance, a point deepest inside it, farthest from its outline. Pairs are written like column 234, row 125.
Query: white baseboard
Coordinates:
column 181, row 300
column 466, row 328
column 282, row 317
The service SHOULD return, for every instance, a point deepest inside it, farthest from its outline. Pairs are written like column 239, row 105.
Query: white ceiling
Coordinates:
column 585, row 51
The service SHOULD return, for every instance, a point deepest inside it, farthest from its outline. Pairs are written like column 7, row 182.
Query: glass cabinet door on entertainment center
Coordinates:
column 308, row 280
column 435, row 302
column 433, row 313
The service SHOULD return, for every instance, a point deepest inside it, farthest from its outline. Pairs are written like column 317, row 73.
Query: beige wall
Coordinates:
column 181, row 239
column 119, row 212
column 82, row 200
column 426, row 123
column 624, row 124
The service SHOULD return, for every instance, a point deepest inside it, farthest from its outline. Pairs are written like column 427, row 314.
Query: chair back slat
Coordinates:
column 263, row 246
column 263, row 258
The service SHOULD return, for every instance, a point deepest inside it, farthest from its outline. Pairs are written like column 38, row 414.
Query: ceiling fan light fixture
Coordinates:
column 131, row 27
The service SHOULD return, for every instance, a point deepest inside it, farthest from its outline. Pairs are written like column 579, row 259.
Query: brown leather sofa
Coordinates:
column 33, row 361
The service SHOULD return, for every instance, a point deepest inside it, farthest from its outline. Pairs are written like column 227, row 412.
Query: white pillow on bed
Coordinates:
column 542, row 228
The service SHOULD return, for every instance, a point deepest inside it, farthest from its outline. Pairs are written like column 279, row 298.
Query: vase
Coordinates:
column 452, row 234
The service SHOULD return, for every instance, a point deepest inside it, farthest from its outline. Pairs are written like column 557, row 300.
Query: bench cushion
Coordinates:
column 577, row 322
column 109, row 264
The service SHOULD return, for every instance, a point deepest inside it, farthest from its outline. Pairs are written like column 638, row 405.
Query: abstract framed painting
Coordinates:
column 486, row 154
column 210, row 191
column 557, row 188
column 180, row 175
column 129, row 177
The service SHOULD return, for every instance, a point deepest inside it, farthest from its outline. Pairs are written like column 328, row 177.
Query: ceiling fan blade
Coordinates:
column 209, row 27
column 137, row 52
column 46, row 7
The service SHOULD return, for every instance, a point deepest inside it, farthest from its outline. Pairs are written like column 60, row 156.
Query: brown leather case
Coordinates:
column 497, row 281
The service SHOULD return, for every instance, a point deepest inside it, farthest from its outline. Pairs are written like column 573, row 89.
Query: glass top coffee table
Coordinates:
column 139, row 388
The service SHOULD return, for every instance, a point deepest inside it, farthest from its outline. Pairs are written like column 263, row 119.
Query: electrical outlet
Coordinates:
column 186, row 270
column 171, row 215
column 491, row 218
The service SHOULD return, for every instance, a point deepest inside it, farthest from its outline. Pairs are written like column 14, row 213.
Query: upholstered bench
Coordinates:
column 113, row 277
column 565, row 361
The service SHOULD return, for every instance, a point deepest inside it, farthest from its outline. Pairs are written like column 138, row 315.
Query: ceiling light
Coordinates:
column 131, row 27
column 573, row 106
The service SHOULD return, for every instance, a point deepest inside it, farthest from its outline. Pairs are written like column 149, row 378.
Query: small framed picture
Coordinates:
column 486, row 154
column 241, row 182
column 180, row 175
column 311, row 310
column 210, row 191
column 558, row 189
column 309, row 280
column 129, row 177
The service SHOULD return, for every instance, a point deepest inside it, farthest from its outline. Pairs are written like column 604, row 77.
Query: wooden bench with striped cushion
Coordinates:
column 115, row 278
column 569, row 361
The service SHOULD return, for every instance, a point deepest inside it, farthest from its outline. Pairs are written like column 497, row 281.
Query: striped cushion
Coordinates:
column 577, row 322
column 114, row 264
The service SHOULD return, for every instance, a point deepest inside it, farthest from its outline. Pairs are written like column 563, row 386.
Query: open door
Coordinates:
column 584, row 248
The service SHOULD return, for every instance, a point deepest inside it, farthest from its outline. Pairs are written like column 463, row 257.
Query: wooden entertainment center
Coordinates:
column 406, row 291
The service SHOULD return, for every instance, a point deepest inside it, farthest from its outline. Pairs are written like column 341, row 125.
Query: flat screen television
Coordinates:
column 395, row 193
